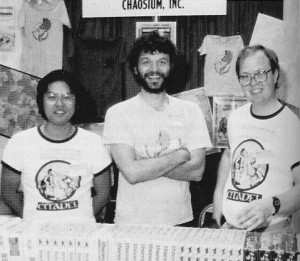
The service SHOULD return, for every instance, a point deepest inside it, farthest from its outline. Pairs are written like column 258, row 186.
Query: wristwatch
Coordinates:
column 276, row 205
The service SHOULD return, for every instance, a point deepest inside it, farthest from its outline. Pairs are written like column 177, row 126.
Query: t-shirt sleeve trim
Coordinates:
column 295, row 165
column 10, row 168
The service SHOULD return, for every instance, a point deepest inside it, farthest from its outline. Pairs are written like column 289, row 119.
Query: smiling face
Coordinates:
column 59, row 103
column 153, row 71
column 259, row 93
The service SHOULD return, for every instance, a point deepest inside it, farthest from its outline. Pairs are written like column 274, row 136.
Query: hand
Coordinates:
column 255, row 213
column 185, row 154
column 218, row 207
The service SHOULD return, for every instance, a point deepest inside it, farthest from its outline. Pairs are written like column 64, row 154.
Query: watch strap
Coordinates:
column 276, row 205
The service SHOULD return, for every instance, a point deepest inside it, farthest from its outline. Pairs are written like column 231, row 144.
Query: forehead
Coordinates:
column 255, row 62
column 154, row 56
column 59, row 86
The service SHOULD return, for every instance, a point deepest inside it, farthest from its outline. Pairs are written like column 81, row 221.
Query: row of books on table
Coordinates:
column 27, row 241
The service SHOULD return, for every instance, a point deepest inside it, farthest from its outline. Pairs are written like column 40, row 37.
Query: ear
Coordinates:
column 135, row 70
column 276, row 74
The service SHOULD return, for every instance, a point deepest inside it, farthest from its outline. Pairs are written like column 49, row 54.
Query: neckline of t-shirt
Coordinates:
column 225, row 39
column 141, row 100
column 44, row 6
column 57, row 141
column 265, row 117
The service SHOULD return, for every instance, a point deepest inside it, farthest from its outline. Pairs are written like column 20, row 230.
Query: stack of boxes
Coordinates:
column 26, row 241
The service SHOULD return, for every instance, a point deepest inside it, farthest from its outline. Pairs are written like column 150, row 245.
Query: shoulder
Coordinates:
column 24, row 139
column 124, row 105
column 25, row 133
column 290, row 119
column 242, row 111
column 89, row 140
column 291, row 111
column 183, row 103
column 122, row 110
column 87, row 134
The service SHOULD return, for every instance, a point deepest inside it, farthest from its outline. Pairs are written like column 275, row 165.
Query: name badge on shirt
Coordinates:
column 175, row 121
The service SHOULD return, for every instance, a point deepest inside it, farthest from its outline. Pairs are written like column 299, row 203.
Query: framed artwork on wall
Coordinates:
column 222, row 107
column 166, row 29
column 18, row 109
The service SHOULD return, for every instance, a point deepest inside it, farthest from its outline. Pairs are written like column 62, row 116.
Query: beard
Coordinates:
column 142, row 82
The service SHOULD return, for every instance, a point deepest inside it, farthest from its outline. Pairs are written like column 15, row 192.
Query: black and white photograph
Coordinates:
column 149, row 130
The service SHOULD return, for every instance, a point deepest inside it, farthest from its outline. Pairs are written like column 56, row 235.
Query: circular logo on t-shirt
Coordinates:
column 247, row 170
column 54, row 181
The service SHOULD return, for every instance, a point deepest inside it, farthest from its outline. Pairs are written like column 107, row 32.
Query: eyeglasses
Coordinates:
column 54, row 97
column 259, row 76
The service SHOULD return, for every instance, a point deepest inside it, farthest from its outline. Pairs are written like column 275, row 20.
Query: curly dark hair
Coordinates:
column 75, row 88
column 251, row 50
column 150, row 43
column 153, row 42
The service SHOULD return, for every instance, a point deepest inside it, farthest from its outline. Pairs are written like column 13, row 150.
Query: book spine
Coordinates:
column 78, row 249
column 29, row 246
column 71, row 249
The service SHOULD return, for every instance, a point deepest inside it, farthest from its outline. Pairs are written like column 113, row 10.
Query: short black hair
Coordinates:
column 251, row 50
column 151, row 43
column 74, row 85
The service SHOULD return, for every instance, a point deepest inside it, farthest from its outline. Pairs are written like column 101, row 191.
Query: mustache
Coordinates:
column 154, row 73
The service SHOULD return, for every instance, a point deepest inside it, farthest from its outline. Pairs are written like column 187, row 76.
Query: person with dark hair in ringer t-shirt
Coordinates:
column 63, row 169
column 263, row 190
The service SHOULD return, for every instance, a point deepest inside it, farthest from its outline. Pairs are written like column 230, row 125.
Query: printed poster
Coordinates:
column 7, row 26
column 165, row 29
column 18, row 109
column 222, row 107
column 198, row 96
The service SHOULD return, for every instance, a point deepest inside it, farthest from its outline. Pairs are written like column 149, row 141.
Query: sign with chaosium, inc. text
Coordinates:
column 126, row 8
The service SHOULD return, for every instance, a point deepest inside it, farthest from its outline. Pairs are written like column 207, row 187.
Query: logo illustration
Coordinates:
column 42, row 30
column 222, row 63
column 246, row 172
column 163, row 145
column 55, row 182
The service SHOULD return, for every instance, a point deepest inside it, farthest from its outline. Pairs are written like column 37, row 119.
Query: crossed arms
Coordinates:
column 179, row 164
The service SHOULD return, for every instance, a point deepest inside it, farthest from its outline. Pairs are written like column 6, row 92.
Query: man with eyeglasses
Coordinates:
column 267, row 132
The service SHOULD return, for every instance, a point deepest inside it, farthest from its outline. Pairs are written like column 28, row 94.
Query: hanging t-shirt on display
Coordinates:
column 42, row 45
column 219, row 70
